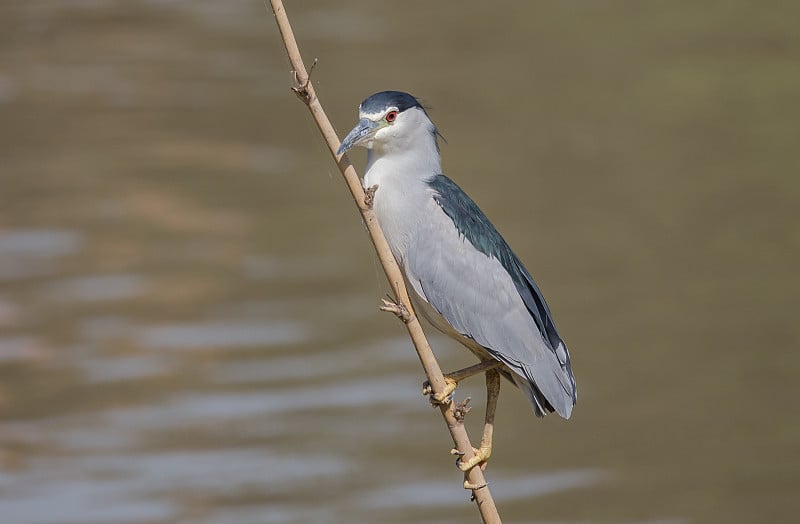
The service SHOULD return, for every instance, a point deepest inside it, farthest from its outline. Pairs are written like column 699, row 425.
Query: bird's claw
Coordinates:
column 480, row 457
column 445, row 396
column 471, row 486
column 467, row 483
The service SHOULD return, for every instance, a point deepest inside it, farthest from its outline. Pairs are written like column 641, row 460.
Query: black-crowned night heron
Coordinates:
column 463, row 276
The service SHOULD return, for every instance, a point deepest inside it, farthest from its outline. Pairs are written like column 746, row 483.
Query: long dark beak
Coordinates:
column 365, row 129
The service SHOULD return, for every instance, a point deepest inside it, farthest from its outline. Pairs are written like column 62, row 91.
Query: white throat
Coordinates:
column 401, row 165
column 408, row 150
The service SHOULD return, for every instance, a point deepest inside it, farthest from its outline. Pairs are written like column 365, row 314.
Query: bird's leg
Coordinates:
column 451, row 381
column 483, row 453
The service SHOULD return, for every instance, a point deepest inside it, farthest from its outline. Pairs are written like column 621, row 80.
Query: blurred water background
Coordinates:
column 188, row 302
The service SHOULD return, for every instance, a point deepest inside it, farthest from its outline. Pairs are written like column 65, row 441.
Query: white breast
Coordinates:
column 400, row 202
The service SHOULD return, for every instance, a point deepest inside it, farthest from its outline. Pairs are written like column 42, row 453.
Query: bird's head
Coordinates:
column 387, row 120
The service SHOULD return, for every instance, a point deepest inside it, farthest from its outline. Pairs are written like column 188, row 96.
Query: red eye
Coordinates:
column 391, row 116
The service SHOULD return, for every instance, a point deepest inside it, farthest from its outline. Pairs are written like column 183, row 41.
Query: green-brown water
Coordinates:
column 188, row 322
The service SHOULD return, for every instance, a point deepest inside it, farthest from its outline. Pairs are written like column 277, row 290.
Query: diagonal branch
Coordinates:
column 305, row 92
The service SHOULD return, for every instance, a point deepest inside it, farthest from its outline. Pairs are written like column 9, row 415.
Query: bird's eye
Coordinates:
column 391, row 116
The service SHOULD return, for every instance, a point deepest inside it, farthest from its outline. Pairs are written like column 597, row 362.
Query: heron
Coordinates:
column 461, row 273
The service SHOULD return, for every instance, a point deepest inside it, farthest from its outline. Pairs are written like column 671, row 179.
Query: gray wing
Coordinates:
column 464, row 269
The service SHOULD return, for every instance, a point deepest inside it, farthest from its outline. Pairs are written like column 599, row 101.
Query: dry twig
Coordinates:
column 304, row 90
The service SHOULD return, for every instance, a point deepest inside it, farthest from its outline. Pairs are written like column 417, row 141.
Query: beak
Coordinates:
column 365, row 130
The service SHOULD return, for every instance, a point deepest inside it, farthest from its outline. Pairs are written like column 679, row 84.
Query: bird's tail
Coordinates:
column 561, row 388
column 541, row 406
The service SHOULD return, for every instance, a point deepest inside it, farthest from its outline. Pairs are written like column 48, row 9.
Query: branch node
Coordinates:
column 369, row 196
column 301, row 88
column 461, row 409
column 399, row 310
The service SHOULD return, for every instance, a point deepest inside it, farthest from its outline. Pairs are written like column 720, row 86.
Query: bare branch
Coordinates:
column 304, row 89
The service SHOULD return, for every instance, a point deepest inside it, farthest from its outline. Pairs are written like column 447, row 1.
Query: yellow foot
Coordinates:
column 482, row 455
column 470, row 485
column 443, row 397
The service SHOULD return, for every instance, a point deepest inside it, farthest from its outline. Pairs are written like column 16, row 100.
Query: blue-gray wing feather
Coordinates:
column 464, row 268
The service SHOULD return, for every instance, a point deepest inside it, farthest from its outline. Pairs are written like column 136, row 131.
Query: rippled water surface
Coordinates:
column 188, row 320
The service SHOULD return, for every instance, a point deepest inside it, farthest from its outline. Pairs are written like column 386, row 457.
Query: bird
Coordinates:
column 461, row 273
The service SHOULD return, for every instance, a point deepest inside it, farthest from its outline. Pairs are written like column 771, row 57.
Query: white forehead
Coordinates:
column 375, row 116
